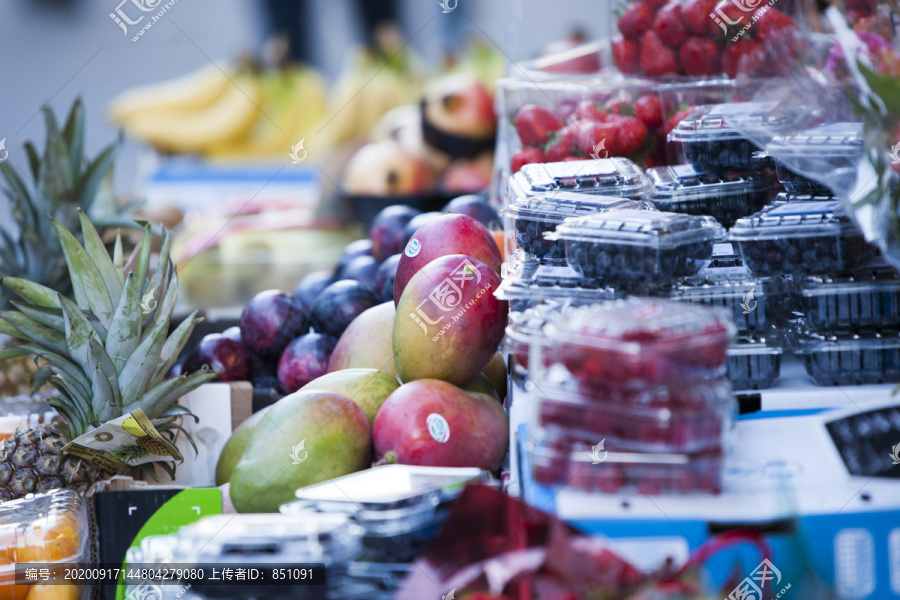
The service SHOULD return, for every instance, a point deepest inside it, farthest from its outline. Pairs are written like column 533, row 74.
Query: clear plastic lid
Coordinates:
column 609, row 176
column 682, row 183
column 642, row 326
column 717, row 122
column 554, row 282
column 527, row 326
column 269, row 538
column 834, row 139
column 875, row 281
column 818, row 196
column 659, row 230
column 795, row 219
column 45, row 528
column 554, row 208
column 705, row 289
column 754, row 346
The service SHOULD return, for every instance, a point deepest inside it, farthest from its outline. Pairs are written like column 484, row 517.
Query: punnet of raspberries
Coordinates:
column 700, row 38
column 626, row 125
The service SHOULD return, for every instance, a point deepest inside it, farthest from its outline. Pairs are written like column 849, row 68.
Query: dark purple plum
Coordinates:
column 384, row 278
column 231, row 360
column 475, row 206
column 233, row 333
column 270, row 321
column 361, row 269
column 311, row 286
column 361, row 247
column 387, row 229
column 339, row 304
column 415, row 223
column 304, row 359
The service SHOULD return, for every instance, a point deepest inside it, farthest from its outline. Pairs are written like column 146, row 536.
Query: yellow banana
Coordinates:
column 190, row 131
column 192, row 91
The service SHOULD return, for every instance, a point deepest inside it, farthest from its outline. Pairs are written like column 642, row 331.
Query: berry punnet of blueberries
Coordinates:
column 753, row 364
column 848, row 359
column 800, row 237
column 632, row 246
column 867, row 300
column 617, row 176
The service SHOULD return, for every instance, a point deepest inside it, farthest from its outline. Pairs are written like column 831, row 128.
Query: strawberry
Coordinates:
column 535, row 124
column 648, row 109
column 656, row 4
column 732, row 22
column 588, row 111
column 564, row 142
column 768, row 21
column 594, row 134
column 753, row 62
column 630, row 136
column 656, row 57
column 525, row 156
column 700, row 56
column 675, row 119
column 733, row 53
column 620, row 104
column 695, row 16
column 668, row 25
column 625, row 55
column 636, row 19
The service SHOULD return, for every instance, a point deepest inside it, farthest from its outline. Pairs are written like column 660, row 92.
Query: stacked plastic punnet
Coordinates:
column 630, row 396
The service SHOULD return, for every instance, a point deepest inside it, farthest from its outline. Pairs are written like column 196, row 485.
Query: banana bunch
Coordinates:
column 226, row 114
column 365, row 90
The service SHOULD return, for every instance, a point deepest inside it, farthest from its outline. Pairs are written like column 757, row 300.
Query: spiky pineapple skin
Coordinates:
column 31, row 461
column 152, row 446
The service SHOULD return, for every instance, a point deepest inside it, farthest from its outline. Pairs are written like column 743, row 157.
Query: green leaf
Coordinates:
column 885, row 87
column 173, row 346
column 99, row 357
column 15, row 183
column 93, row 175
column 71, row 374
column 34, row 161
column 87, row 285
column 31, row 330
column 96, row 251
column 77, row 423
column 63, row 177
column 143, row 262
column 125, row 330
column 118, row 256
column 150, row 470
column 167, row 304
column 32, row 292
column 160, row 398
column 78, row 335
column 8, row 329
column 161, row 273
column 73, row 133
column 40, row 377
column 51, row 317
column 103, row 402
column 187, row 435
column 139, row 368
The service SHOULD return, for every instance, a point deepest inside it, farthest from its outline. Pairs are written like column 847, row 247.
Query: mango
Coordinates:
column 366, row 343
column 366, row 387
column 235, row 446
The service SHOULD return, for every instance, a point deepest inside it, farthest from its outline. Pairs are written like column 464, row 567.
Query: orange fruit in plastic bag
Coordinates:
column 49, row 540
column 68, row 591
column 8, row 589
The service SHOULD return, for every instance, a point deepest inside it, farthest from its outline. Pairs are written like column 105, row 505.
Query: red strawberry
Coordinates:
column 733, row 53
column 535, row 124
column 630, row 136
column 768, row 21
column 525, row 156
column 700, row 56
column 564, row 143
column 656, row 4
column 648, row 109
column 636, row 19
column 598, row 138
column 588, row 111
column 668, row 25
column 675, row 119
column 727, row 19
column 695, row 15
column 619, row 105
column 625, row 55
column 656, row 57
column 754, row 63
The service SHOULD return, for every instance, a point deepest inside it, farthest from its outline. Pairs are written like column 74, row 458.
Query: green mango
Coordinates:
column 366, row 387
column 234, row 447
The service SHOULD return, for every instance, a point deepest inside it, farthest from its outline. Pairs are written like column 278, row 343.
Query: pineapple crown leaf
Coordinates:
column 103, row 355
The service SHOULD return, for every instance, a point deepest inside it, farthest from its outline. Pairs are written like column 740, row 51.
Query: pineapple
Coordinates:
column 105, row 354
column 64, row 181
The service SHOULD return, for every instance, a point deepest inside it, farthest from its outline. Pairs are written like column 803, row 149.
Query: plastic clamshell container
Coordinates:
column 646, row 340
column 642, row 419
column 749, row 300
column 557, row 461
column 800, row 237
column 753, row 364
column 47, row 529
column 399, row 507
column 534, row 216
column 617, row 177
column 866, row 300
column 820, row 196
column 712, row 144
column 633, row 246
column 825, row 150
column 849, row 359
column 531, row 284
column 726, row 196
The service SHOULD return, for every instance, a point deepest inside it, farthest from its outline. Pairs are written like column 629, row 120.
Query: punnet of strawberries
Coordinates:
column 701, row 38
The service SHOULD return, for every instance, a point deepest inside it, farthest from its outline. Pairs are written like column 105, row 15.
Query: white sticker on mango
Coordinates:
column 413, row 247
column 438, row 427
